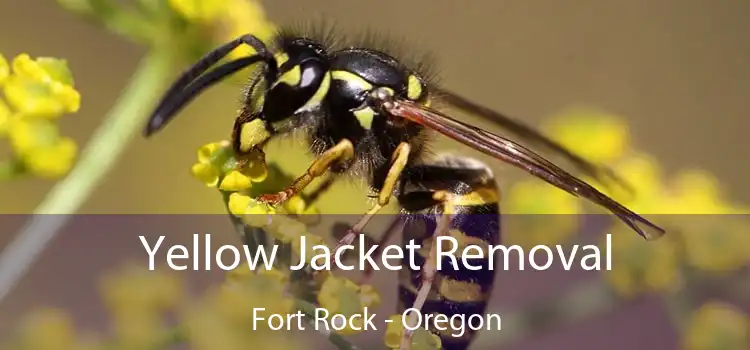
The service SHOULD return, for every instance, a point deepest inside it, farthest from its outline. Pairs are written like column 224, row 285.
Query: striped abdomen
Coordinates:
column 456, row 289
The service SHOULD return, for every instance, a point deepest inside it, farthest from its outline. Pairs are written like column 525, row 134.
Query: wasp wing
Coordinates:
column 519, row 156
column 529, row 134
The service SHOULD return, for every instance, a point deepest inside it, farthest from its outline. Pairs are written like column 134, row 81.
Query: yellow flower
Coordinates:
column 717, row 325
column 295, row 205
column 287, row 230
column 640, row 266
column 216, row 160
column 48, row 329
column 41, row 88
column 39, row 145
column 696, row 192
column 242, row 17
column 235, row 181
column 136, row 290
column 199, row 10
column 6, row 117
column 4, row 69
column 206, row 173
column 53, row 161
column 342, row 296
column 642, row 172
column 539, row 214
column 597, row 136
column 208, row 151
column 716, row 243
column 421, row 339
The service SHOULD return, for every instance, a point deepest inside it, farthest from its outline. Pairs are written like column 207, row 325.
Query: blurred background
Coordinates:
column 674, row 71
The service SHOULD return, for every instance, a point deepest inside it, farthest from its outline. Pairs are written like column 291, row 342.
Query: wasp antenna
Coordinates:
column 191, row 83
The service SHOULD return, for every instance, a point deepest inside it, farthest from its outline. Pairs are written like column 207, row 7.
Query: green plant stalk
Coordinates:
column 123, row 121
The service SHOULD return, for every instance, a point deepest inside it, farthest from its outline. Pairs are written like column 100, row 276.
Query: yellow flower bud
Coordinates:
column 207, row 151
column 27, row 135
column 239, row 203
column 295, row 205
column 42, row 87
column 40, row 99
column 246, row 17
column 241, row 273
column 53, row 161
column 202, row 11
column 48, row 329
column 206, row 173
column 5, row 118
column 289, row 230
column 274, row 276
column 4, row 69
column 235, row 181
column 717, row 325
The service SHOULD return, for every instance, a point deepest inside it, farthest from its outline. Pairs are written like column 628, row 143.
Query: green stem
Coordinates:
column 122, row 123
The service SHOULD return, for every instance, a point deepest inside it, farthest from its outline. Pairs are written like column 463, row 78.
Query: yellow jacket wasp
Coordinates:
column 367, row 114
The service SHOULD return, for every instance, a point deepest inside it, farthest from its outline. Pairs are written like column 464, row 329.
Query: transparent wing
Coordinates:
column 519, row 156
column 529, row 134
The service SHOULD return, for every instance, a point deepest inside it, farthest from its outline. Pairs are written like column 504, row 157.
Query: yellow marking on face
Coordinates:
column 252, row 134
column 281, row 58
column 414, row 88
column 351, row 78
column 291, row 77
column 320, row 94
column 365, row 117
column 478, row 197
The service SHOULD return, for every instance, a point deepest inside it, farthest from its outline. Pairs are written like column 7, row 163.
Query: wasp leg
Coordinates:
column 429, row 268
column 314, row 195
column 342, row 151
column 398, row 163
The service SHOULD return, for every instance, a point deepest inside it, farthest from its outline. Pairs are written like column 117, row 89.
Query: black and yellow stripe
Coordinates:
column 476, row 221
